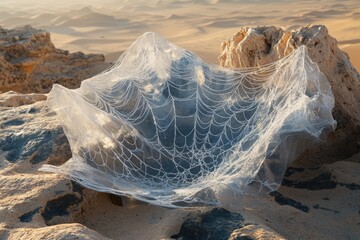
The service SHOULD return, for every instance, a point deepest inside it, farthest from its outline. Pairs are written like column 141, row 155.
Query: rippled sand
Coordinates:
column 110, row 26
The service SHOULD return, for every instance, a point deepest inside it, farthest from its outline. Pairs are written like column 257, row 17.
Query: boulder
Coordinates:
column 29, row 62
column 29, row 131
column 252, row 47
column 33, row 204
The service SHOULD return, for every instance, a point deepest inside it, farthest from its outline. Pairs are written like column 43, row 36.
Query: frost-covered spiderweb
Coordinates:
column 164, row 127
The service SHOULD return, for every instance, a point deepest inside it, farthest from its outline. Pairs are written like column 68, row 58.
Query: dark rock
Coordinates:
column 32, row 133
column 27, row 217
column 60, row 206
column 216, row 224
column 282, row 200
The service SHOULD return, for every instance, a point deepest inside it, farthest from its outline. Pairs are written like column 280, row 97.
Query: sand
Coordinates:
column 110, row 26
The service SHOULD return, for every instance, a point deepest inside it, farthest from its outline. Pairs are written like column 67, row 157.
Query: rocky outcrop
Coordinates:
column 29, row 62
column 14, row 99
column 31, row 131
column 46, row 205
column 36, row 205
column 261, row 45
column 72, row 231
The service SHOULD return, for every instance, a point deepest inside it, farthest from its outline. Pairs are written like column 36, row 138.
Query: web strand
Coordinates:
column 165, row 127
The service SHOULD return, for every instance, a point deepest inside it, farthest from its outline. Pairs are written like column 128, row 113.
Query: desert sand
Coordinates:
column 296, row 211
column 109, row 27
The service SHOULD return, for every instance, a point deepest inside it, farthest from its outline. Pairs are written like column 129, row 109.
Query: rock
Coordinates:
column 29, row 136
column 46, row 205
column 215, row 224
column 312, row 203
column 261, row 45
column 39, row 205
column 30, row 132
column 32, row 201
column 255, row 232
column 73, row 231
column 14, row 99
column 219, row 223
column 29, row 62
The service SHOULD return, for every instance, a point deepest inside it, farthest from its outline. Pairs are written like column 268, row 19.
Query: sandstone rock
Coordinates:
column 72, row 231
column 31, row 201
column 30, row 132
column 29, row 62
column 261, row 45
column 38, row 205
column 14, row 99
column 255, row 232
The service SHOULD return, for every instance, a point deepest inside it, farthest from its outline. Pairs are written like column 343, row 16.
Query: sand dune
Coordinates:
column 109, row 27
column 4, row 15
column 325, row 14
column 353, row 50
column 174, row 16
column 93, row 19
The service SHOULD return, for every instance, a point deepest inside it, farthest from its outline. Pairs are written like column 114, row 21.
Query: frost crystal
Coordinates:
column 164, row 127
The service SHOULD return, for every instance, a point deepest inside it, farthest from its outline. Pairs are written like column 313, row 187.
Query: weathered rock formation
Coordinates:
column 30, row 200
column 261, row 45
column 30, row 132
column 45, row 205
column 29, row 62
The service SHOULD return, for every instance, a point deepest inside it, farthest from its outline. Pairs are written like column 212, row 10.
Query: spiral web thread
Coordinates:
column 164, row 127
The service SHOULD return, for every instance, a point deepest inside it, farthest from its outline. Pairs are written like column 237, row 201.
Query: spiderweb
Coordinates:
column 164, row 127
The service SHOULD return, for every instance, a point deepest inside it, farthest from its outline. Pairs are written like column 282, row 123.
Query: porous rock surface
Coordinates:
column 31, row 201
column 29, row 62
column 252, row 47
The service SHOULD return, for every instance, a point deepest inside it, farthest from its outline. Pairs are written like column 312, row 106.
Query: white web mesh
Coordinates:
column 165, row 127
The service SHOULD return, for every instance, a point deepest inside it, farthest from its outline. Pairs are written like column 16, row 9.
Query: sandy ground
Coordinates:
column 110, row 26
